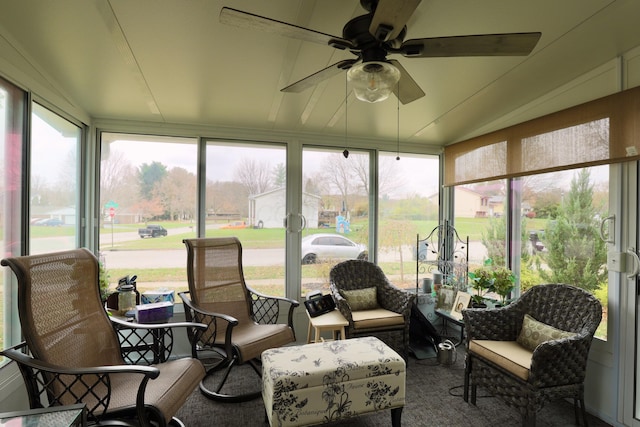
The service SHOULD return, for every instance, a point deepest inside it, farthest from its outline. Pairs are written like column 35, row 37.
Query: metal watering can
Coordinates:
column 447, row 354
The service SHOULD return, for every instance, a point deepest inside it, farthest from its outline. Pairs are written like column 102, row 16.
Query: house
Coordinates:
column 172, row 75
column 267, row 210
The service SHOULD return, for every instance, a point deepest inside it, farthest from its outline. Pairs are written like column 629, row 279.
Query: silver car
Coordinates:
column 319, row 247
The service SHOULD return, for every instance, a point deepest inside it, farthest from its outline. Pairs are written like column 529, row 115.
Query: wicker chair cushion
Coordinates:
column 509, row 355
column 534, row 333
column 361, row 299
column 376, row 318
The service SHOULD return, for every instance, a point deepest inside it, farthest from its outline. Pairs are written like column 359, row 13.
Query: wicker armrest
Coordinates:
column 395, row 299
column 501, row 324
column 65, row 386
column 573, row 352
column 341, row 304
column 266, row 308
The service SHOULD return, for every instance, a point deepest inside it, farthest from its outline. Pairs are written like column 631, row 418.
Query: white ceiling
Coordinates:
column 172, row 61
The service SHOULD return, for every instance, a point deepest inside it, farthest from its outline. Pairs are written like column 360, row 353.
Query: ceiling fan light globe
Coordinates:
column 373, row 81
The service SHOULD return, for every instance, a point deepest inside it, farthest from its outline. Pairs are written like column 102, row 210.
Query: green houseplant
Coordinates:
column 104, row 282
column 503, row 282
column 481, row 282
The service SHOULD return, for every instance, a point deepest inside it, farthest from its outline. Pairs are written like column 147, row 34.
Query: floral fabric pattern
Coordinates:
column 329, row 381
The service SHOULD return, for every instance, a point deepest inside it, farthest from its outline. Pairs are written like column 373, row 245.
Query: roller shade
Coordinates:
column 603, row 131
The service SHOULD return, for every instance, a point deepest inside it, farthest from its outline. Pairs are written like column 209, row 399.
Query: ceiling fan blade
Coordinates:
column 510, row 44
column 319, row 76
column 242, row 19
column 390, row 17
column 407, row 90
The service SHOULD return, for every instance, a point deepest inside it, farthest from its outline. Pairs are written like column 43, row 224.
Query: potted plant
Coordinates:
column 503, row 283
column 481, row 282
column 104, row 282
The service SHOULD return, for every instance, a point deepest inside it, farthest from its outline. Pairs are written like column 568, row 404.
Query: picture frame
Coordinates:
column 445, row 299
column 320, row 305
column 460, row 303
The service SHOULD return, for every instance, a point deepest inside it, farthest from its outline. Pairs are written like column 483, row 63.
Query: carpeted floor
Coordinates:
column 433, row 398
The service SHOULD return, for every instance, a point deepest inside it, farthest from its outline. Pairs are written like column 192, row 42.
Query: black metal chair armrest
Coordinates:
column 206, row 337
column 64, row 386
column 161, row 325
column 266, row 308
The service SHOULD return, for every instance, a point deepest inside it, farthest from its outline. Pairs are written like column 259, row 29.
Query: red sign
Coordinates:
column 112, row 212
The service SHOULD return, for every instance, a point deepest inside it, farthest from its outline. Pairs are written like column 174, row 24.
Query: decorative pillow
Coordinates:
column 361, row 299
column 534, row 333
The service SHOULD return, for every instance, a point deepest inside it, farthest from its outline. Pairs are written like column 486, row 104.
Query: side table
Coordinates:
column 333, row 321
column 62, row 416
column 446, row 318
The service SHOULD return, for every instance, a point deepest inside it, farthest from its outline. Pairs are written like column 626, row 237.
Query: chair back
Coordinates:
column 563, row 306
column 216, row 279
column 357, row 274
column 62, row 317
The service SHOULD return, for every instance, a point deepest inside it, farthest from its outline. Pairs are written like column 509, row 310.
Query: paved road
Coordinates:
column 172, row 258
column 251, row 257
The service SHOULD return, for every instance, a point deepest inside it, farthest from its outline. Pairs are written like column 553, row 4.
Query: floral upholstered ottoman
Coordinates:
column 329, row 381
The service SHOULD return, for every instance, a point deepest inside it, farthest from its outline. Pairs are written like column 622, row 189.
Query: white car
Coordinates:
column 319, row 247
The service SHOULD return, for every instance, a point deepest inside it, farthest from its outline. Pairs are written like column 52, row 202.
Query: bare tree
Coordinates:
column 340, row 175
column 177, row 190
column 255, row 176
column 118, row 180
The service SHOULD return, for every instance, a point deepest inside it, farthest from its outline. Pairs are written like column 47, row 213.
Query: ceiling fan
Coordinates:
column 375, row 35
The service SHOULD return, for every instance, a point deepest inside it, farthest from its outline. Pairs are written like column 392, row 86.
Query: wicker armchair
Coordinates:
column 389, row 321
column 242, row 323
column 72, row 354
column 521, row 367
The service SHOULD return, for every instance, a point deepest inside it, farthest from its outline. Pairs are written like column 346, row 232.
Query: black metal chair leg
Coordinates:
column 218, row 396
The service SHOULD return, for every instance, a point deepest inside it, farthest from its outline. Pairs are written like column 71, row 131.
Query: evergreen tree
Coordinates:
column 149, row 175
column 576, row 253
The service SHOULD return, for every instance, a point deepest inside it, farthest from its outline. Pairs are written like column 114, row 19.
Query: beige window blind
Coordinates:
column 606, row 130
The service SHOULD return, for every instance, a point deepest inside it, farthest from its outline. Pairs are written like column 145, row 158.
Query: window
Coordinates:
column 479, row 215
column 561, row 215
column 246, row 197
column 147, row 180
column 408, row 205
column 54, row 191
column 12, row 110
column 338, row 188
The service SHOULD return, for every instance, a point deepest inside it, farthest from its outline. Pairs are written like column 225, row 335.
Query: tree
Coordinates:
column 340, row 175
column 177, row 191
column 254, row 175
column 279, row 175
column 117, row 180
column 394, row 235
column 149, row 175
column 576, row 253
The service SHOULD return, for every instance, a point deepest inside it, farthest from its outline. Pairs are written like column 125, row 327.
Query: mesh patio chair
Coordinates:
column 533, row 350
column 72, row 354
column 242, row 323
column 372, row 305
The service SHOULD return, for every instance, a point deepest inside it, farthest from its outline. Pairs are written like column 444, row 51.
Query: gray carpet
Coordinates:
column 433, row 398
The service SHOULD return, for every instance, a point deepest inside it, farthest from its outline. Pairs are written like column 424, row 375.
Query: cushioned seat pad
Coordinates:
column 508, row 355
column 376, row 318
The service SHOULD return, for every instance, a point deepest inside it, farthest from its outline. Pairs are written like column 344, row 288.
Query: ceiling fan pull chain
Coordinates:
column 345, row 153
column 398, row 127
